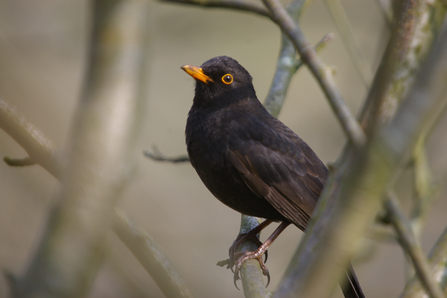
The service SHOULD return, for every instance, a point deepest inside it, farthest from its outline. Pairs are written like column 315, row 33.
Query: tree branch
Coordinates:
column 412, row 247
column 334, row 233
column 253, row 7
column 322, row 73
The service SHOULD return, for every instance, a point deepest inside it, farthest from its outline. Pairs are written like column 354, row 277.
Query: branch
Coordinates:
column 412, row 247
column 158, row 156
column 146, row 250
column 286, row 67
column 241, row 5
column 31, row 139
column 350, row 41
column 412, row 38
column 356, row 195
column 73, row 244
column 438, row 266
column 322, row 73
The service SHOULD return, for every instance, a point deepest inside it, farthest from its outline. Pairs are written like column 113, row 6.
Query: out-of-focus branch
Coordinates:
column 321, row 72
column 286, row 67
column 31, row 139
column 74, row 241
column 146, row 250
column 350, row 41
column 412, row 247
column 387, row 11
column 242, row 5
column 413, row 35
column 156, row 155
column 438, row 266
column 334, row 233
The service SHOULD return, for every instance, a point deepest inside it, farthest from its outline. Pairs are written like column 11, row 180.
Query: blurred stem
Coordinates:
column 286, row 67
column 438, row 267
column 31, row 139
column 357, row 189
column 247, row 6
column 412, row 247
column 350, row 41
column 146, row 250
column 74, row 241
column 321, row 72
column 412, row 37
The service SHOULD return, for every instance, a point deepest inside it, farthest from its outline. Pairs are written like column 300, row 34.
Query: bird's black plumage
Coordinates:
column 247, row 158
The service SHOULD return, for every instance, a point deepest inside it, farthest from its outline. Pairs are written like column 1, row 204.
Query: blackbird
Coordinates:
column 248, row 159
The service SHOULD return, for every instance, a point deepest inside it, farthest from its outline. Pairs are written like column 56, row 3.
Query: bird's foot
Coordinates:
column 249, row 255
column 241, row 238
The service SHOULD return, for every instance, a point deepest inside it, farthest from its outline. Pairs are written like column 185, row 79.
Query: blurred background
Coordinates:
column 43, row 46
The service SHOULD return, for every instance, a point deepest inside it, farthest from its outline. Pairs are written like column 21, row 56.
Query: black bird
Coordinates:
column 248, row 159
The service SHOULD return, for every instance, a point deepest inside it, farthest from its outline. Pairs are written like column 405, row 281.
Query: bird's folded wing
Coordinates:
column 287, row 181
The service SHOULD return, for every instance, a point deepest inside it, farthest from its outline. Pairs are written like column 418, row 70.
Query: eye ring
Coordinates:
column 227, row 79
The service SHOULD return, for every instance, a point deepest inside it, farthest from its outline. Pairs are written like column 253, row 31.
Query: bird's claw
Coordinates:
column 248, row 255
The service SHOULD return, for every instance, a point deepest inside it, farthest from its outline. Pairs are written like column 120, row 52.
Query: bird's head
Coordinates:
column 220, row 81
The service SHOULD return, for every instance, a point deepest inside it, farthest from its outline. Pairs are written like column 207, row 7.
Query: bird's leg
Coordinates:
column 257, row 254
column 241, row 238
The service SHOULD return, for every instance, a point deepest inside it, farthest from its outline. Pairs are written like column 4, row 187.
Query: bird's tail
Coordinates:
column 351, row 286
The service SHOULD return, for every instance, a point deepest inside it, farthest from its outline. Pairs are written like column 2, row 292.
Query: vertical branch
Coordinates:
column 350, row 41
column 334, row 233
column 412, row 248
column 74, row 241
column 321, row 73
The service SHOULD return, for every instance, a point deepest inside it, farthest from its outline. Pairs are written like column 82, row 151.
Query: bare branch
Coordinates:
column 247, row 6
column 350, row 41
column 334, row 233
column 412, row 247
column 321, row 72
column 146, row 250
column 156, row 155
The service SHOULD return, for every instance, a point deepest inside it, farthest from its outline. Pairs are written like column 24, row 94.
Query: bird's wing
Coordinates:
column 283, row 170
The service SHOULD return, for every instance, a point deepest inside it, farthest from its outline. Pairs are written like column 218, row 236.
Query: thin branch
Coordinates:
column 438, row 266
column 412, row 247
column 350, row 41
column 286, row 67
column 241, row 5
column 31, row 139
column 387, row 11
column 321, row 72
column 357, row 189
column 19, row 125
column 156, row 155
column 18, row 162
column 146, row 250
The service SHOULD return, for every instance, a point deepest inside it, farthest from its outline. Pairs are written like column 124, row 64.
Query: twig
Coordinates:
column 322, row 73
column 438, row 265
column 18, row 162
column 146, row 250
column 387, row 11
column 156, row 155
column 31, row 139
column 286, row 67
column 412, row 247
column 350, row 41
column 247, row 6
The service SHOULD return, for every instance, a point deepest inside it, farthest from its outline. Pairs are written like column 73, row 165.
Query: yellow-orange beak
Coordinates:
column 197, row 73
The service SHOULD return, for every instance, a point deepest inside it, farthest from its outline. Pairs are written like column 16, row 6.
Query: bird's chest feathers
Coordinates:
column 207, row 140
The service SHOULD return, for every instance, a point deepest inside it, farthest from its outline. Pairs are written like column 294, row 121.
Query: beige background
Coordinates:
column 42, row 61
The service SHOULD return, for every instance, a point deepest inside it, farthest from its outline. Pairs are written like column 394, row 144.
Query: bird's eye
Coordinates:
column 227, row 79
